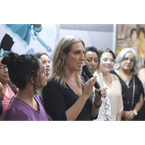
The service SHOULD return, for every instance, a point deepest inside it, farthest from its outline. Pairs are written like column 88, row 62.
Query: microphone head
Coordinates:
column 90, row 75
column 87, row 71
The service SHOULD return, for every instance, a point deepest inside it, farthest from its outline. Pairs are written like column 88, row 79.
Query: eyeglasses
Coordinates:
column 106, row 60
column 45, row 71
column 126, row 59
column 3, row 68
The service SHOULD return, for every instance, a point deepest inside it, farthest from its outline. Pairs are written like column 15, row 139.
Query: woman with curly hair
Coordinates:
column 28, row 74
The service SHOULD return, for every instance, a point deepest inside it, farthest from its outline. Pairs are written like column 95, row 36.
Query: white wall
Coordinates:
column 91, row 38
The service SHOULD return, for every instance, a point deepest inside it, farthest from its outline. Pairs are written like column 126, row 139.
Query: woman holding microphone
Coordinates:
column 65, row 96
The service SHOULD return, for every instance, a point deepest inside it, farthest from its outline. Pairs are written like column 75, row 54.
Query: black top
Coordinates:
column 127, row 91
column 58, row 99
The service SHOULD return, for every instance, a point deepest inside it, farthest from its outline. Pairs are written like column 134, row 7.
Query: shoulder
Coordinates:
column 114, row 77
column 141, row 71
column 53, row 86
column 112, row 71
column 38, row 98
column 52, row 83
column 136, row 78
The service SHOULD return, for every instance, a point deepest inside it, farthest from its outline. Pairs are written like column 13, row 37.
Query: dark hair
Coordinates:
column 132, row 30
column 93, row 49
column 141, row 29
column 101, row 51
column 21, row 68
column 13, row 87
column 39, row 54
column 10, row 84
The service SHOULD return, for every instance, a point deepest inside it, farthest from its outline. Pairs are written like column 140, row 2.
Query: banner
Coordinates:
column 28, row 38
column 131, row 36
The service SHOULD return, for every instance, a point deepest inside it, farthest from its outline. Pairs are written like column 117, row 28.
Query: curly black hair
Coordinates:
column 21, row 68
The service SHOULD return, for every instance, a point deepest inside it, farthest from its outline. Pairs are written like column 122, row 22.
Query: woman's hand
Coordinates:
column 131, row 115
column 128, row 115
column 88, row 87
column 98, row 97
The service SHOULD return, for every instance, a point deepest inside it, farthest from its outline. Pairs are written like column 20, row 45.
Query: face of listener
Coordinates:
column 4, row 76
column 127, row 62
column 46, row 62
column 106, row 62
column 75, row 58
column 41, row 76
column 91, row 60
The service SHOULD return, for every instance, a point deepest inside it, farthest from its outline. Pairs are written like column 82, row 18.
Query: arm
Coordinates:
column 98, row 101
column 119, row 116
column 73, row 112
column 139, row 104
column 141, row 74
column 94, row 111
column 137, row 107
column 120, row 103
column 53, row 96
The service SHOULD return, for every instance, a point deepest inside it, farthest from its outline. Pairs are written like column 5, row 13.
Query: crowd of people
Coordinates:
column 28, row 91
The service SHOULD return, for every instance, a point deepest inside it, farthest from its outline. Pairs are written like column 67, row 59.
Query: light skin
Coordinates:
column 74, row 62
column 126, row 75
column 46, row 62
column 4, row 79
column 105, row 68
column 141, row 73
column 27, row 93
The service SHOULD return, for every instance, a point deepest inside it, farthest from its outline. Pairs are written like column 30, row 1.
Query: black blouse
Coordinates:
column 58, row 99
column 127, row 91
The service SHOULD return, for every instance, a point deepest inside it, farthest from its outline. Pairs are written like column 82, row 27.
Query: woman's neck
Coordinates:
column 105, row 74
column 70, row 74
column 5, row 87
column 127, row 72
column 26, row 94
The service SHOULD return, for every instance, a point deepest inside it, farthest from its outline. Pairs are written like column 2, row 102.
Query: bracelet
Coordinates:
column 97, row 105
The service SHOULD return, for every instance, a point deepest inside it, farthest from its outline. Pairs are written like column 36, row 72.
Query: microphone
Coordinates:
column 90, row 75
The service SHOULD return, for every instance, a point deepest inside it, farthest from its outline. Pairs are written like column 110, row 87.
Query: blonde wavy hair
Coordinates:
column 58, row 72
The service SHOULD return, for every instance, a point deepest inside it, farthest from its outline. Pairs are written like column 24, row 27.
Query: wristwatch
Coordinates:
column 135, row 113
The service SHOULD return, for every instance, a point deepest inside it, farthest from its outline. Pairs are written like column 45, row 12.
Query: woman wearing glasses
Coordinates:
column 132, row 90
column 111, row 82
column 92, row 60
column 28, row 74
column 46, row 62
column 7, row 89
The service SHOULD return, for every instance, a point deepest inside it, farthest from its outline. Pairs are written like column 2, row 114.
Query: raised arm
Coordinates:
column 54, row 103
